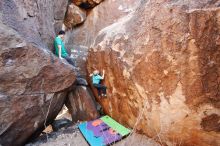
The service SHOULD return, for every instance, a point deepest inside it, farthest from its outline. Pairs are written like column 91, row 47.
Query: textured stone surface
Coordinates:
column 34, row 19
column 106, row 13
column 30, row 79
column 162, row 70
column 59, row 8
column 80, row 55
column 81, row 104
column 86, row 4
column 23, row 115
column 33, row 82
column 74, row 16
column 81, row 81
column 98, row 18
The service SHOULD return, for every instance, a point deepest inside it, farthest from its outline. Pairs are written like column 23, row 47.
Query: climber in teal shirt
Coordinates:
column 96, row 80
column 60, row 49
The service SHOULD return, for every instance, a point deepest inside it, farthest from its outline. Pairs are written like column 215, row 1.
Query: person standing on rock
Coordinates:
column 60, row 49
column 96, row 79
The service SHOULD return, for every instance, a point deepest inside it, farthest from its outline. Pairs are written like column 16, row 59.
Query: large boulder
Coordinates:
column 162, row 70
column 35, row 20
column 106, row 13
column 81, row 104
column 98, row 18
column 33, row 82
column 74, row 16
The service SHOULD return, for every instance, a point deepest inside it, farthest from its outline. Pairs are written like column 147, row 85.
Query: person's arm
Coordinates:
column 59, row 53
column 103, row 74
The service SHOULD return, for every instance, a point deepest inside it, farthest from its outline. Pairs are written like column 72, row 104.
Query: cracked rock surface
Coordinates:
column 33, row 82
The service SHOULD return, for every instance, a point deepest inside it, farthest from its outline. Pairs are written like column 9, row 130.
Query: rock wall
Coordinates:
column 162, row 70
column 74, row 16
column 35, row 20
column 81, row 104
column 87, row 4
column 81, row 37
column 33, row 82
column 106, row 13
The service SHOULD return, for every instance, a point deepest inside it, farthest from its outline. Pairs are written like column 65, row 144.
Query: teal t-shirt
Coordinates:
column 58, row 41
column 96, row 79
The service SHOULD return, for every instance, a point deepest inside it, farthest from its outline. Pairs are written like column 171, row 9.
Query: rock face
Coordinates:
column 81, row 104
column 58, row 7
column 98, row 18
column 33, row 82
column 74, row 16
column 162, row 70
column 81, row 82
column 35, row 20
column 80, row 38
column 86, row 4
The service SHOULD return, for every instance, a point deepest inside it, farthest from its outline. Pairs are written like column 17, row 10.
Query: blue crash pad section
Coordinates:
column 89, row 136
column 103, row 131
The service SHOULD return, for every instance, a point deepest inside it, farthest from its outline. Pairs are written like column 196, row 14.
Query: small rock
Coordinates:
column 60, row 124
column 74, row 16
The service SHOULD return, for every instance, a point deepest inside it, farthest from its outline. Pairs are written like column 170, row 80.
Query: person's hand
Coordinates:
column 103, row 71
column 62, row 58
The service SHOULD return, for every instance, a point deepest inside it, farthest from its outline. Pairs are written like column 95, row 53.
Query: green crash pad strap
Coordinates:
column 115, row 125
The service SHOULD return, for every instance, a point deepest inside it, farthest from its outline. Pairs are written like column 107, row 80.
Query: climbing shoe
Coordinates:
column 104, row 95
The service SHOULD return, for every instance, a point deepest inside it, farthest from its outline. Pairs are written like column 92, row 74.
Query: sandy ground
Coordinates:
column 72, row 137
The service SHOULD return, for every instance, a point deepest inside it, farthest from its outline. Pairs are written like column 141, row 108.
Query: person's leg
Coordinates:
column 103, row 88
column 69, row 60
column 98, row 89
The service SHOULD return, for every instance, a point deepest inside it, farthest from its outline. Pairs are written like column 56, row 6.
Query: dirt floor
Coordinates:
column 71, row 136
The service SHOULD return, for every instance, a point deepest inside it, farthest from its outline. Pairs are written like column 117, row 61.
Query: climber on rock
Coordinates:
column 96, row 79
column 60, row 49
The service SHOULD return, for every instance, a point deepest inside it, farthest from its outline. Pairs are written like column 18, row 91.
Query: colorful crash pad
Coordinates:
column 103, row 131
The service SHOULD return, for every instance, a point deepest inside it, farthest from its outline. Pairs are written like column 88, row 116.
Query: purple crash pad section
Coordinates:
column 97, row 133
column 104, row 131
